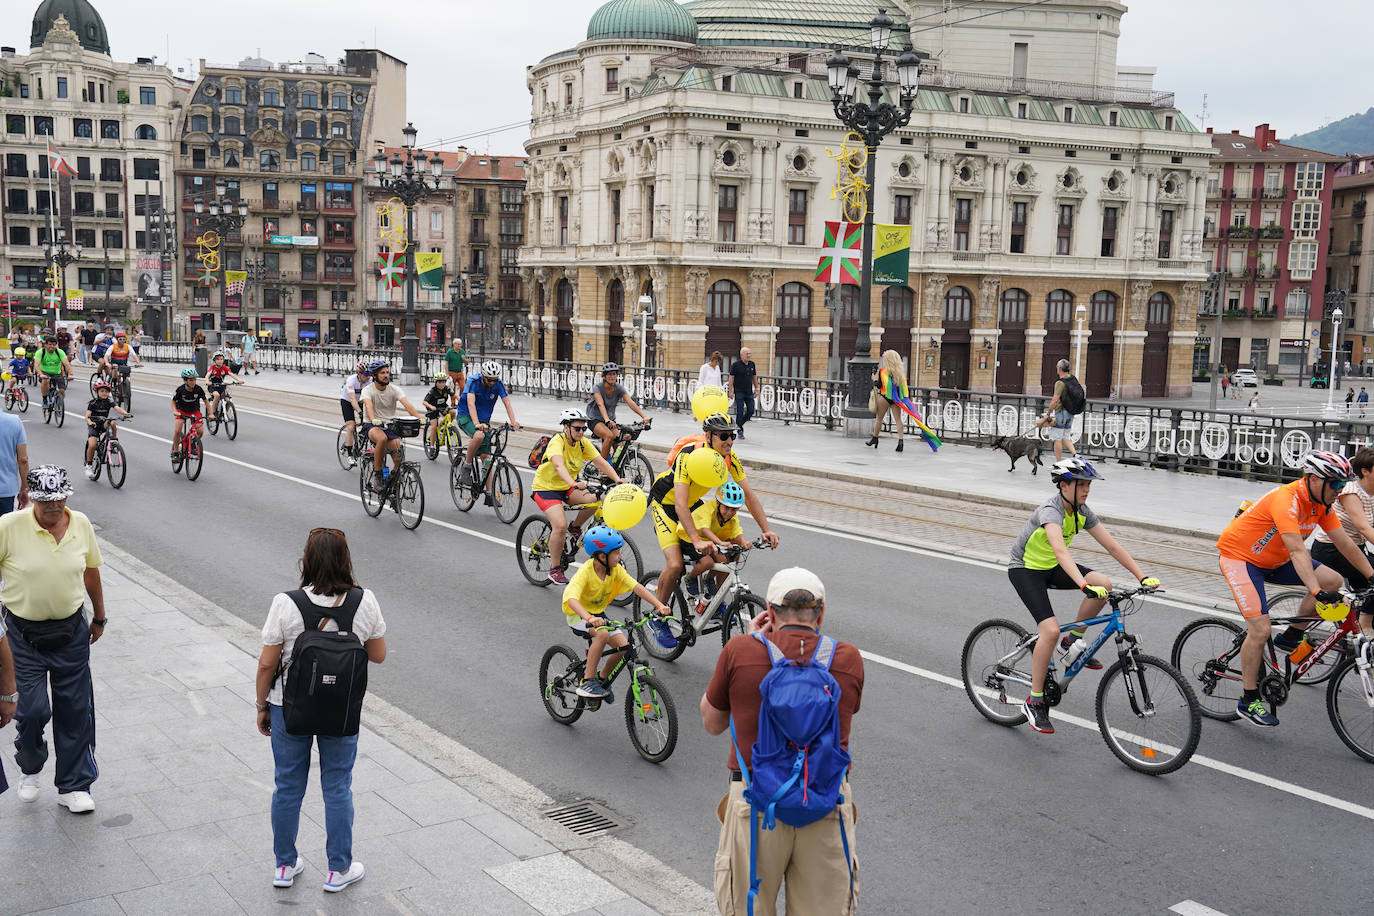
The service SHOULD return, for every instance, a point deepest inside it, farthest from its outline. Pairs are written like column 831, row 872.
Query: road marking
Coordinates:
column 1193, row 908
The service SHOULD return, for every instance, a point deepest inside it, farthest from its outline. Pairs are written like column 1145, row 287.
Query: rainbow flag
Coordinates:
column 899, row 395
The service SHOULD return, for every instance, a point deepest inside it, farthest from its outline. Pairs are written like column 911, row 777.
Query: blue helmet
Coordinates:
column 602, row 539
column 376, row 364
column 1073, row 469
column 730, row 494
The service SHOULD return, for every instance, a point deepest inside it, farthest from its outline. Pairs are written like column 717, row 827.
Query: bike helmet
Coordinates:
column 601, row 539
column 1073, row 469
column 731, row 494
column 19, row 351
column 102, row 384
column 706, row 467
column 219, row 354
column 440, row 377
column 609, row 367
column 363, row 367
column 491, row 369
column 1328, row 466
column 570, row 415
column 376, row 365
column 717, row 423
column 121, row 336
column 189, row 373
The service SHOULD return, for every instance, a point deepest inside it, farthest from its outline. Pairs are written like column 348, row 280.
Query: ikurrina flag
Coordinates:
column 841, row 253
column 206, row 277
column 891, row 255
column 392, row 266
column 900, row 396
column 76, row 300
column 234, row 281
column 52, row 298
column 430, row 266
column 57, row 162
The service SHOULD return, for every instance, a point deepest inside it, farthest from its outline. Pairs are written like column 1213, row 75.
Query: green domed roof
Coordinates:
column 660, row 20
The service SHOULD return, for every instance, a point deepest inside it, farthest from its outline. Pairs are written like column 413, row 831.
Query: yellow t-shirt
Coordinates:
column 695, row 491
column 594, row 592
column 43, row 578
column 705, row 518
column 547, row 479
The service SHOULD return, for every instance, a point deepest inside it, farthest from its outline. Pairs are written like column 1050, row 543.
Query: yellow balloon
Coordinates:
column 709, row 399
column 6, row 376
column 624, row 506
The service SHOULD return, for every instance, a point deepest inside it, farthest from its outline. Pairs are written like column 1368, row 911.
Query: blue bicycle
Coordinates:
column 1146, row 711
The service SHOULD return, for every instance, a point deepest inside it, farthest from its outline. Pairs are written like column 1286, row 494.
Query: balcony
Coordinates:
column 512, row 238
column 111, row 176
column 1240, row 194
column 1264, row 314
column 510, row 270
column 512, row 208
column 338, row 206
column 478, row 238
column 1240, row 232
column 338, row 274
column 1278, row 193
column 1356, row 246
column 1358, row 209
column 475, row 270
column 1271, row 231
column 16, row 208
column 740, row 250
column 16, row 173
column 1215, row 193
column 337, row 242
column 308, row 206
column 269, row 205
column 444, row 307
column 479, row 209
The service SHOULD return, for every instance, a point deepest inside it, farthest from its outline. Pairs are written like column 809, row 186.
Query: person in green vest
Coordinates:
column 455, row 360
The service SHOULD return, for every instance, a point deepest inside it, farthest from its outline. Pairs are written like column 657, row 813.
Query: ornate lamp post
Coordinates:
column 61, row 256
column 1336, row 316
column 256, row 269
column 224, row 215
column 411, row 182
column 872, row 120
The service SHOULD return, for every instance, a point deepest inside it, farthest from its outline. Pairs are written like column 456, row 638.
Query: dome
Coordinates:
column 81, row 17
column 656, row 20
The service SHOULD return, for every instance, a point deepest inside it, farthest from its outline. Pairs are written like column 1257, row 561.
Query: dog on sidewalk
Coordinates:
column 1018, row 447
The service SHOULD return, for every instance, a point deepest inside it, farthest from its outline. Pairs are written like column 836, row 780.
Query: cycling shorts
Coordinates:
column 368, row 427
column 1033, row 587
column 216, row 386
column 1247, row 583
column 665, row 524
column 349, row 413
column 93, row 432
column 546, row 499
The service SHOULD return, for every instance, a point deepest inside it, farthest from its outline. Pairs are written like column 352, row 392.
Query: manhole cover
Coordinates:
column 586, row 818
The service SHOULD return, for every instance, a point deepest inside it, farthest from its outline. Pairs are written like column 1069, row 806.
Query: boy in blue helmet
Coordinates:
column 600, row 581
column 717, row 522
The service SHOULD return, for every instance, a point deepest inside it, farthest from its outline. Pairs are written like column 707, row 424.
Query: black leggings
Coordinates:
column 1327, row 555
column 1033, row 586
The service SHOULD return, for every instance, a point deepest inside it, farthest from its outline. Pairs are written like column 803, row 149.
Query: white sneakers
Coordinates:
column 28, row 788
column 90, row 470
column 285, row 875
column 76, row 802
column 336, row 881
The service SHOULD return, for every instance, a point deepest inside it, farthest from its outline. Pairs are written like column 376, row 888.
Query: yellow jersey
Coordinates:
column 574, row 457
column 666, row 483
column 593, row 592
column 705, row 519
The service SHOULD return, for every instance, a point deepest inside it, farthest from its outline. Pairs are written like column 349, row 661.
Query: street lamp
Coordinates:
column 223, row 214
column 256, row 269
column 1079, row 313
column 646, row 311
column 62, row 255
column 1335, row 299
column 412, row 178
column 1336, row 316
column 872, row 120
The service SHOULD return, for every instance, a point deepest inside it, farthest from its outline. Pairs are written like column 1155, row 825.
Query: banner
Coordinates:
column 75, row 300
column 430, row 266
column 206, row 277
column 840, row 256
column 891, row 255
column 52, row 298
column 392, row 265
column 233, row 281
column 149, row 268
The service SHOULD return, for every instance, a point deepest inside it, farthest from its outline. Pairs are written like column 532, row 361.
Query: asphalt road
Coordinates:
column 956, row 814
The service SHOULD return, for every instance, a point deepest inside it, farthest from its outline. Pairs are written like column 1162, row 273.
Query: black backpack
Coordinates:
column 327, row 675
column 1075, row 401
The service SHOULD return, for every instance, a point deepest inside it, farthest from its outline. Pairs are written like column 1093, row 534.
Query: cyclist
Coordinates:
column 379, row 406
column 1251, row 554
column 1040, row 561
column 717, row 520
column 556, row 483
column 605, row 397
column 20, row 365
column 215, row 376
column 585, row 599
column 348, row 401
column 186, row 401
column 474, row 413
column 103, row 342
column 436, row 403
column 116, row 358
column 1355, row 509
column 97, row 415
column 53, row 367
column 686, row 482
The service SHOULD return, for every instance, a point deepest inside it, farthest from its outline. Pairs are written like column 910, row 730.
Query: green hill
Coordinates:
column 1354, row 134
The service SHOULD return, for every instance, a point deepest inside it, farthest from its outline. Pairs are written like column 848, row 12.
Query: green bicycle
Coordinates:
column 447, row 436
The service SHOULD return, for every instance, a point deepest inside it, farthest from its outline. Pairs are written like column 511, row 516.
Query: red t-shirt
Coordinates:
column 744, row 662
column 217, row 372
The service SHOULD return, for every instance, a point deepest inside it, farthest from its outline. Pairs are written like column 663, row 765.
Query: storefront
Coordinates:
column 308, row 331
column 270, row 329
column 383, row 332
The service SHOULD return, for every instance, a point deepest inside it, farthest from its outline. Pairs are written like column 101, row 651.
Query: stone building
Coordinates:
column 114, row 123
column 1350, row 261
column 680, row 151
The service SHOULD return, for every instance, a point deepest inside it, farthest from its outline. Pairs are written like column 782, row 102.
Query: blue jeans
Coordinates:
column 71, row 710
column 7, row 504
column 292, row 756
column 744, row 409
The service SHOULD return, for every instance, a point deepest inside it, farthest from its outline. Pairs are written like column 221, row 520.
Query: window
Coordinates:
column 232, row 125
column 798, row 90
column 147, row 170
column 112, row 238
column 1102, row 308
column 17, row 165
column 1112, row 119
column 901, row 209
column 727, row 203
column 479, row 200
column 479, row 260
column 308, row 128
column 563, row 220
column 269, row 192
column 1355, row 279
column 233, row 95
column 271, row 97
column 43, row 127
column 85, row 238
column 1168, row 122
column 23, row 90
column 308, row 199
column 1013, row 306
column 1020, row 54
column 1109, row 218
column 963, row 213
column 339, row 266
column 1166, row 233
column 1259, row 352
column 612, row 79
column 145, row 132
column 17, row 201
column 958, row 305
column 478, row 231
column 200, row 123
column 147, row 95
column 1238, row 217
column 436, row 223
column 309, row 99
column 338, row 130
column 727, row 83
column 338, row 195
column 308, row 227
column 1302, row 260
column 1309, row 178
column 269, row 160
column 1213, row 184
column 1059, row 307
column 308, row 162
column 269, row 123
column 567, row 95
column 1019, row 211
column 1021, row 110
column 1068, row 114
column 270, row 226
column 14, row 124
column 796, row 216
column 963, row 105
column 309, row 299
column 231, row 158
column 338, row 101
column 1307, row 217
column 308, row 266
column 109, row 170
column 19, row 235
column 338, row 164
column 61, row 87
column 615, row 214
column 1064, row 240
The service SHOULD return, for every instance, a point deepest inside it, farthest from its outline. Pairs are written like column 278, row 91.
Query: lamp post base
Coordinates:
column 858, row 419
column 410, row 360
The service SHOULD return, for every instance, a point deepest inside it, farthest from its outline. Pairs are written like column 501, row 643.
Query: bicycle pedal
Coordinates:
column 592, row 705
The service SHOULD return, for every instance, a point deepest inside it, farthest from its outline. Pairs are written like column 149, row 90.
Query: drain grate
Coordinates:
column 586, row 818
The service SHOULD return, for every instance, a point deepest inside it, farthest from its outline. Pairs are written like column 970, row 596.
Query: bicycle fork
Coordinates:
column 1140, row 705
column 645, row 707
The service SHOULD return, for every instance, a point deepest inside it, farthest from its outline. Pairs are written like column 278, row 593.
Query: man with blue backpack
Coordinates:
column 786, row 693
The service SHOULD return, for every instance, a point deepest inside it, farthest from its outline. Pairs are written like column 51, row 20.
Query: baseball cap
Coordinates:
column 791, row 579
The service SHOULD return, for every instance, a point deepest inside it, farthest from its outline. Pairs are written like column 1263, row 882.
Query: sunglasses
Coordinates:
column 578, row 429
column 315, row 531
column 726, row 436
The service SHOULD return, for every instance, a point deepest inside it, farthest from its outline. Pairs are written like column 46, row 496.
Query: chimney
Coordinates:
column 495, row 167
column 1209, row 130
column 462, row 154
column 1264, row 137
column 1236, row 132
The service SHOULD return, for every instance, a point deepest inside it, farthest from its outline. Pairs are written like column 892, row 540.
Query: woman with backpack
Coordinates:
column 328, row 621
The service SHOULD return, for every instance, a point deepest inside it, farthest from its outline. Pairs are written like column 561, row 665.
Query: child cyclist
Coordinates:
column 1040, row 561
column 598, row 582
column 436, row 403
column 215, row 377
column 717, row 522
column 97, row 415
column 20, row 367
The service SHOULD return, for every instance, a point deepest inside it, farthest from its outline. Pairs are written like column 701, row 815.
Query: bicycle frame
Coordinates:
column 626, row 655
column 725, row 591
column 1114, row 628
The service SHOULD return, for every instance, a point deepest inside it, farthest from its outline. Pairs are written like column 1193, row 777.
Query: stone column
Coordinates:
column 999, row 202
column 769, row 220
column 702, row 221
column 1034, row 363
column 1130, row 363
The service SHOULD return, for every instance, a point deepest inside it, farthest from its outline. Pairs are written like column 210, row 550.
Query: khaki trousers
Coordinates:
column 810, row 859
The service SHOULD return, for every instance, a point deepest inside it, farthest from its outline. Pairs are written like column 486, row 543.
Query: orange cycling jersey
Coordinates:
column 118, row 354
column 1255, row 536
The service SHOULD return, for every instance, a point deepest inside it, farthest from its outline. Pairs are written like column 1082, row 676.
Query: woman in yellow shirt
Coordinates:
column 556, row 483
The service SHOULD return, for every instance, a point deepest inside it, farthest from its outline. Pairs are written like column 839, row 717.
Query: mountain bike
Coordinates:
column 55, row 404
column 224, row 415
column 1207, row 651
column 535, row 557
column 726, row 608
column 650, row 716
column 16, row 395
column 447, row 437
column 190, row 454
column 121, row 389
column 109, row 454
column 402, row 486
column 629, row 461
column 496, row 479
column 1146, row 711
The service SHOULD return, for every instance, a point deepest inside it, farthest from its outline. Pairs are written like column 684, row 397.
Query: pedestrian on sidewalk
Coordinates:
column 1349, row 399
column 250, row 354
column 326, row 583
column 1059, row 418
column 1254, row 402
column 1225, row 385
column 50, row 563
column 710, row 372
column 882, row 404
column 14, row 463
column 744, row 388
column 1363, row 401
column 87, row 341
column 455, row 364
column 817, row 861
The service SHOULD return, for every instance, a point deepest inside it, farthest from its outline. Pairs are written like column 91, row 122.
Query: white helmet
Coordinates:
column 570, row 415
column 491, row 369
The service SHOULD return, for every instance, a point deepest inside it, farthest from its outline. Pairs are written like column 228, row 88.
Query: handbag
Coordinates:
column 873, row 401
column 46, row 635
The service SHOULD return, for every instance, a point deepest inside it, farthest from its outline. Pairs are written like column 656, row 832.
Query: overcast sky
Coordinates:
column 1258, row 60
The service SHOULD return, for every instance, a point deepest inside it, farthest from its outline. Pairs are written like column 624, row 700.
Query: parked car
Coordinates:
column 1245, row 378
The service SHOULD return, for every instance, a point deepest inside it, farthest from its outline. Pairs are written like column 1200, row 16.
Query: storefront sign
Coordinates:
column 305, row 241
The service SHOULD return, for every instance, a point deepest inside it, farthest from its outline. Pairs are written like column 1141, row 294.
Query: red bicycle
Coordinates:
column 189, row 454
column 15, row 395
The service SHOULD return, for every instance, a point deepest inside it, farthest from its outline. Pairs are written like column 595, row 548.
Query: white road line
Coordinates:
column 1193, row 908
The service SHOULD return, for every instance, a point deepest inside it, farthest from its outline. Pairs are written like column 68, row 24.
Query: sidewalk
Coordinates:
column 181, row 822
column 1192, row 504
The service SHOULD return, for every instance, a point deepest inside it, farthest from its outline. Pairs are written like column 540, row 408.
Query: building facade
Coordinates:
column 1350, row 261
column 680, row 151
column 290, row 141
column 1266, row 232
column 114, row 124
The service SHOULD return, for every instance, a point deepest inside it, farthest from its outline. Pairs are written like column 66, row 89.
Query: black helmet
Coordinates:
column 717, row 423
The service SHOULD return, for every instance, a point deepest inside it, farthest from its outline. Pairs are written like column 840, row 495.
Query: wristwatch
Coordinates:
column 101, row 622
column 9, row 698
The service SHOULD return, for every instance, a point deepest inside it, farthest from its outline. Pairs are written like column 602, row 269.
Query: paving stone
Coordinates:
column 199, row 894
column 389, row 868
column 434, row 801
column 522, row 843
column 124, row 817
column 204, row 803
column 116, row 743
column 478, row 893
column 450, row 847
column 373, row 816
column 191, row 851
column 556, row 885
column 406, row 767
column 185, row 768
column 626, row 906
column 252, row 833
column 100, row 906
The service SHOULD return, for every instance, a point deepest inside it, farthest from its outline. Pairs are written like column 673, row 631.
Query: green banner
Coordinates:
column 891, row 255
column 430, row 266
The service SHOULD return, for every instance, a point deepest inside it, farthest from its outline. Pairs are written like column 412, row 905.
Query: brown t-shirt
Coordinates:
column 744, row 662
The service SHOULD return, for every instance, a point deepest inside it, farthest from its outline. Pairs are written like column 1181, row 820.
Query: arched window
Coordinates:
column 897, row 305
column 231, row 158
column 1013, row 306
column 1059, row 307
column 338, row 100
column 958, row 305
column 310, row 99
column 108, row 129
column 338, row 130
column 145, row 132
column 1102, row 309
column 269, row 160
column 309, row 128
column 271, row 97
column 233, row 95
column 200, row 122
column 83, row 128
column 232, row 125
column 308, row 162
column 723, row 301
column 1160, row 312
column 794, row 302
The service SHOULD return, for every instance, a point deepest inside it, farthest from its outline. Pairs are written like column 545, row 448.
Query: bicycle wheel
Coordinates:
column 532, row 550
column 990, row 655
column 47, row 409
column 178, row 459
column 633, row 562
column 464, row 494
column 677, row 622
column 343, row 451
column 115, row 468
column 410, row 497
column 59, row 409
column 737, row 616
column 1198, row 654
column 651, row 718
column 452, row 442
column 373, row 503
column 507, row 491
column 231, row 419
column 1289, row 604
column 9, row 398
column 21, row 397
column 91, row 382
column 1350, row 711
column 638, row 470
column 560, row 671
column 1151, row 722
column 126, row 392
column 212, row 420
column 195, row 457
column 431, row 448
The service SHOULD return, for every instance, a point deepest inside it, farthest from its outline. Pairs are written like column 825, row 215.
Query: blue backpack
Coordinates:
column 799, row 763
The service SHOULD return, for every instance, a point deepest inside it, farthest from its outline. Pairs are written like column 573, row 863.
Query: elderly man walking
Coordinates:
column 744, row 387
column 785, row 663
column 50, row 563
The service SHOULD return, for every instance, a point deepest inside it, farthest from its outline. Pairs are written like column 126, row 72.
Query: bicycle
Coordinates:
column 190, row 453
column 1146, row 711
column 15, row 394
column 629, row 461
column 402, row 488
column 728, row 609
column 650, row 715
column 121, row 388
column 224, row 414
column 535, row 558
column 55, row 404
column 109, row 454
column 447, row 436
column 496, row 478
column 348, row 454
column 1208, row 652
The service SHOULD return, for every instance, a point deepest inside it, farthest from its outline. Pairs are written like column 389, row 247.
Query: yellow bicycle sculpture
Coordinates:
column 208, row 250
column 391, row 224
column 850, row 186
